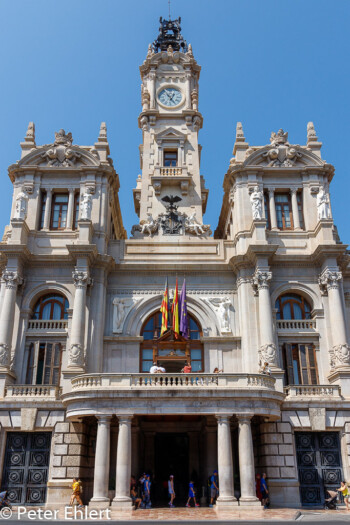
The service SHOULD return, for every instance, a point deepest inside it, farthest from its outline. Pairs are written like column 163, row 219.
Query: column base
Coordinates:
column 224, row 502
column 123, row 503
column 99, row 502
column 250, row 502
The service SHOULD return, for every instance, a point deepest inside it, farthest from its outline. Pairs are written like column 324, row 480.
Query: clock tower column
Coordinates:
column 170, row 197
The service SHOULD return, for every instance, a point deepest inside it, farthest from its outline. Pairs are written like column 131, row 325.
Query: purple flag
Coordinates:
column 184, row 322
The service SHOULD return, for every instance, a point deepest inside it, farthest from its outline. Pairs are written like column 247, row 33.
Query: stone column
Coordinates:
column 102, row 454
column 225, row 463
column 12, row 280
column 295, row 209
column 76, row 356
column 246, row 461
column 46, row 225
column 330, row 283
column 2, row 292
column 267, row 350
column 188, row 76
column 152, row 88
column 123, row 470
column 70, row 210
column 272, row 207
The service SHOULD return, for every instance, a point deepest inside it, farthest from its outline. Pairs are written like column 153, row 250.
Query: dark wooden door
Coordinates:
column 319, row 465
column 26, row 467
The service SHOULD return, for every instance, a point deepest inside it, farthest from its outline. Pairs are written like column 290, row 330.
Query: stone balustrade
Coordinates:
column 302, row 391
column 301, row 324
column 173, row 381
column 33, row 391
column 42, row 324
column 170, row 171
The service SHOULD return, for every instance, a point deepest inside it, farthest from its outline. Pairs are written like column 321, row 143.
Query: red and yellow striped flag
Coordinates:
column 175, row 312
column 164, row 309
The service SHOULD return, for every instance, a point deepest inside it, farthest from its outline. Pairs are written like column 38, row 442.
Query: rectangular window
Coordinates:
column 284, row 211
column 59, row 211
column 43, row 208
column 300, row 209
column 44, row 364
column 76, row 212
column 300, row 364
column 170, row 158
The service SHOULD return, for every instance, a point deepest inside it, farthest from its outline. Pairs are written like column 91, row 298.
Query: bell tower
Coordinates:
column 170, row 197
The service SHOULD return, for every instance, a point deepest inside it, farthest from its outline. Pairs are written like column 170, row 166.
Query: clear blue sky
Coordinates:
column 74, row 63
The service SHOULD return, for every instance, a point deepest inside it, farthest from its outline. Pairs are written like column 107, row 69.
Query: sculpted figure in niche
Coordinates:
column 121, row 309
column 323, row 205
column 21, row 209
column 223, row 307
column 86, row 206
column 256, row 200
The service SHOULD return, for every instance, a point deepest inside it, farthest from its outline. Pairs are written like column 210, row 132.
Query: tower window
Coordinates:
column 59, row 211
column 284, row 211
column 170, row 158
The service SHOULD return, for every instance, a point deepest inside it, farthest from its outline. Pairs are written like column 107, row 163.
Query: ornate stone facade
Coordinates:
column 267, row 302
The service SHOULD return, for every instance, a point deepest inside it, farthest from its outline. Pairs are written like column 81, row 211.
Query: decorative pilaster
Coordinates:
column 102, row 454
column 123, row 469
column 267, row 350
column 329, row 282
column 70, row 208
column 272, row 207
column 295, row 209
column 152, row 88
column 76, row 354
column 47, row 215
column 225, row 462
column 246, row 461
column 188, row 76
column 12, row 280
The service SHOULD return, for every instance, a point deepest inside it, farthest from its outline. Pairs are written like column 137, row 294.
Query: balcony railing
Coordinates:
column 300, row 391
column 33, row 391
column 173, row 381
column 41, row 324
column 168, row 171
column 296, row 325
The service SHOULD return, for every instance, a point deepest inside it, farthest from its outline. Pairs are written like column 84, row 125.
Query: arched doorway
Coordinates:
column 170, row 350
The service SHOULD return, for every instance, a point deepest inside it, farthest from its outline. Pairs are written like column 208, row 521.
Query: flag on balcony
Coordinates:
column 184, row 322
column 175, row 312
column 164, row 309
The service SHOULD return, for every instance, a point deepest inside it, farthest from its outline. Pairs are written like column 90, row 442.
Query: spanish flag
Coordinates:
column 175, row 312
column 164, row 309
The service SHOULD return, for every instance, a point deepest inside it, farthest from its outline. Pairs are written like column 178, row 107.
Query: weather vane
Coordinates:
column 169, row 10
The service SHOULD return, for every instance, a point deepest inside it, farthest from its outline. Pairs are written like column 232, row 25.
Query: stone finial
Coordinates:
column 102, row 146
column 150, row 51
column 241, row 145
column 189, row 51
column 29, row 140
column 312, row 139
column 103, row 133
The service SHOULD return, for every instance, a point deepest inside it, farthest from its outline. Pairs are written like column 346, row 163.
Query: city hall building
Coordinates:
column 80, row 321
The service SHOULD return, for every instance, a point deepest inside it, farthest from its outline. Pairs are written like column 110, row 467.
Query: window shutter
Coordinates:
column 288, row 351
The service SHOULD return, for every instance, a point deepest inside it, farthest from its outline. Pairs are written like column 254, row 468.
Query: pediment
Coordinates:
column 282, row 156
column 170, row 134
column 60, row 156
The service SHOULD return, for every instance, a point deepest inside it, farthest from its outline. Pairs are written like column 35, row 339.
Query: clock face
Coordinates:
column 170, row 97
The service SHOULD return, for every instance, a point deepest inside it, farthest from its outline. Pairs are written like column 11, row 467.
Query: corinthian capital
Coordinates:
column 329, row 280
column 260, row 280
column 81, row 279
column 12, row 279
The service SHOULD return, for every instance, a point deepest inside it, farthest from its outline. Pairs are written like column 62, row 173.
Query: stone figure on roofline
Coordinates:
column 323, row 205
column 86, row 206
column 256, row 200
column 21, row 208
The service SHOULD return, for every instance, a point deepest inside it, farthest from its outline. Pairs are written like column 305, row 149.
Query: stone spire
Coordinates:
column 29, row 140
column 312, row 139
column 240, row 145
column 102, row 145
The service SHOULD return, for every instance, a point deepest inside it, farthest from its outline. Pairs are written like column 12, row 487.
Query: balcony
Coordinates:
column 40, row 392
column 292, row 325
column 41, row 325
column 174, row 175
column 312, row 391
column 150, row 394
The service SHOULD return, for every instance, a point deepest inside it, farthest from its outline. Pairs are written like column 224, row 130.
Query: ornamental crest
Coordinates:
column 61, row 153
column 281, row 154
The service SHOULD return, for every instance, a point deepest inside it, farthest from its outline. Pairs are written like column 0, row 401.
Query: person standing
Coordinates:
column 191, row 494
column 214, row 487
column 345, row 491
column 264, row 491
column 147, row 492
column 171, row 490
column 76, row 487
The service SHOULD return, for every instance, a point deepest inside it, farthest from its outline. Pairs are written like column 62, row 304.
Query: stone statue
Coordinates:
column 121, row 309
column 194, row 227
column 149, row 226
column 256, row 200
column 323, row 204
column 223, row 307
column 21, row 209
column 86, row 206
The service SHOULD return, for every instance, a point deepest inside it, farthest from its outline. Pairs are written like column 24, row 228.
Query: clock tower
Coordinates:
column 170, row 197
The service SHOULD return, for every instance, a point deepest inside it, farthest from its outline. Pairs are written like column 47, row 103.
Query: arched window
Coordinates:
column 167, row 351
column 292, row 306
column 51, row 306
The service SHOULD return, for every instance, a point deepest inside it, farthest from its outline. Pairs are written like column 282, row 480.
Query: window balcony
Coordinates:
column 41, row 325
column 293, row 325
column 29, row 392
column 174, row 175
column 313, row 391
